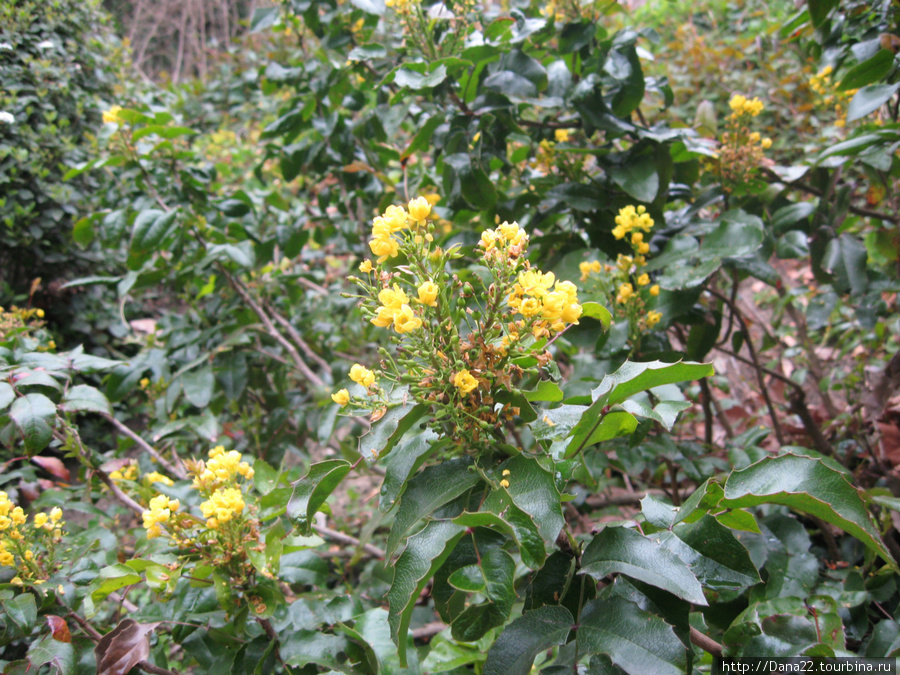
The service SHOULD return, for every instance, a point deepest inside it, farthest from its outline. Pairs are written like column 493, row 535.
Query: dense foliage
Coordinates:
column 418, row 339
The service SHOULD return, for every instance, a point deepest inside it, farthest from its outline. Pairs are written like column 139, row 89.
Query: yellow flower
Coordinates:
column 464, row 381
column 504, row 483
column 384, row 317
column 530, row 307
column 111, row 116
column 653, row 318
column 405, row 320
column 156, row 477
column 365, row 266
column 506, row 472
column 766, row 143
column 341, row 397
column 625, row 292
column 40, row 519
column 654, row 290
column 393, row 298
column 18, row 516
column 362, row 375
column 643, row 280
column 428, row 293
column 536, row 283
column 561, row 135
column 419, row 208
column 223, row 505
column 144, row 383
column 433, row 198
column 384, row 248
column 396, row 217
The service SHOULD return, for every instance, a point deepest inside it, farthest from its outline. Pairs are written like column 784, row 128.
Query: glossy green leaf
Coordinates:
column 386, row 432
column 664, row 412
column 47, row 651
column 34, row 416
column 198, row 386
column 423, row 136
column 712, row 552
column 110, row 579
column 469, row 578
column 500, row 514
column 807, row 485
column 311, row 491
column 819, row 10
column 637, row 177
column 301, row 648
column 658, row 513
column 544, row 391
column 738, row 519
column 522, row 640
column 498, row 569
column 407, row 457
column 21, row 610
column 594, row 310
column 619, row 550
column 151, row 227
column 7, row 395
column 425, row 553
column 869, row 71
column 533, row 489
column 429, row 490
column 406, row 77
column 39, row 382
column 84, row 398
column 869, row 99
column 636, row 640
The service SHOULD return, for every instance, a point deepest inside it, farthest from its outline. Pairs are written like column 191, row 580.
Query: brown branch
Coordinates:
column 429, row 630
column 342, row 538
column 758, row 369
column 706, row 643
column 809, row 189
column 176, row 470
column 270, row 328
column 299, row 341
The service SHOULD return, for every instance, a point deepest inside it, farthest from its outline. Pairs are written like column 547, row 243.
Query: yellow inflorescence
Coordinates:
column 127, row 472
column 740, row 106
column 156, row 477
column 158, row 515
column 222, row 467
column 111, row 116
column 341, row 397
column 17, row 542
column 630, row 219
column 222, row 505
column 362, row 375
column 465, row 382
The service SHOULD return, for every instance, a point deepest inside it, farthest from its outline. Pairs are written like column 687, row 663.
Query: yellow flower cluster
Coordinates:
column 159, row 514
column 111, row 116
column 362, row 375
column 764, row 143
column 402, row 6
column 588, row 267
column 395, row 309
column 394, row 220
column 223, row 505
column 507, row 240
column 127, row 472
column 740, row 106
column 532, row 297
column 47, row 527
column 822, row 85
column 222, row 467
column 630, row 219
column 156, row 477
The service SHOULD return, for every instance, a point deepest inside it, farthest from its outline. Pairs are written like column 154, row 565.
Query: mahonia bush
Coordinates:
column 629, row 288
column 741, row 150
column 460, row 344
column 28, row 548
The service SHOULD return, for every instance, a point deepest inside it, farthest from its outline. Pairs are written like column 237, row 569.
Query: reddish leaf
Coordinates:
column 59, row 629
column 53, row 466
column 124, row 647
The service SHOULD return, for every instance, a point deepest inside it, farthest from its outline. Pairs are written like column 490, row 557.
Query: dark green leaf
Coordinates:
column 431, row 489
column 533, row 489
column 637, row 177
column 498, row 570
column 7, row 395
column 198, row 386
column 49, row 651
column 311, row 491
column 806, row 485
column 423, row 135
column 819, row 10
column 299, row 648
column 869, row 99
column 83, row 398
column 34, row 416
column 532, row 633
column 151, row 227
column 408, row 456
column 425, row 553
column 385, row 433
column 869, row 71
column 619, row 550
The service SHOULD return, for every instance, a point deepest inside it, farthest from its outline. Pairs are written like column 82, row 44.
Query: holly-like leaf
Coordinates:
column 7, row 395
column 869, row 99
column 425, row 553
column 714, row 555
column 532, row 633
column 533, row 489
column 619, row 550
column 46, row 651
column 405, row 460
column 806, row 485
column 499, row 513
column 637, row 641
column 386, row 432
column 311, row 491
column 151, row 227
column 431, row 489
column 498, row 571
column 84, row 398
column 34, row 416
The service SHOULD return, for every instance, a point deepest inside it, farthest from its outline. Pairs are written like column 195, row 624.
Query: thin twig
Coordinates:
column 299, row 363
column 176, row 470
column 706, row 643
column 764, row 390
column 298, row 340
column 342, row 538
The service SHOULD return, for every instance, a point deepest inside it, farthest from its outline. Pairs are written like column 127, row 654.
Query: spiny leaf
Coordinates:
column 311, row 491
column 532, row 633
column 807, row 485
column 619, row 550
column 425, row 553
